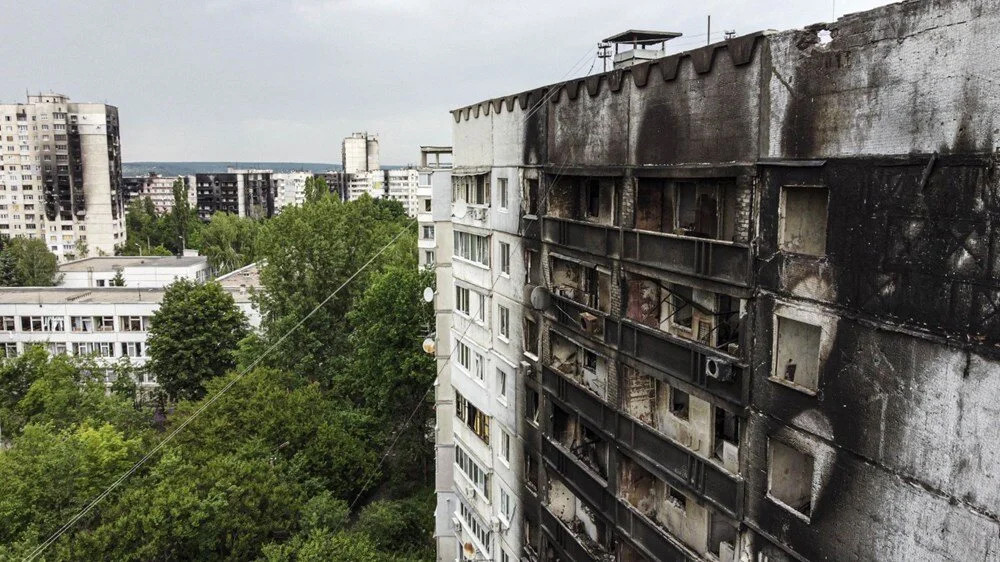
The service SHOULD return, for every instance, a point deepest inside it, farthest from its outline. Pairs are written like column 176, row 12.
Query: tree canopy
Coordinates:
column 193, row 337
column 272, row 470
column 27, row 262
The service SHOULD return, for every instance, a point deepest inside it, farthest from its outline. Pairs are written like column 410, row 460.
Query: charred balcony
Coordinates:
column 669, row 459
column 691, row 226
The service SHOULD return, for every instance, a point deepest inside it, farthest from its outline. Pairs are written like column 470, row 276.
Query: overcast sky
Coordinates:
column 286, row 80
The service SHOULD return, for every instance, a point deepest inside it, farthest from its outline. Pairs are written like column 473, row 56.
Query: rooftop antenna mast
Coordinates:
column 604, row 53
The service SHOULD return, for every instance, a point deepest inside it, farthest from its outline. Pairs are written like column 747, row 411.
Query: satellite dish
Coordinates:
column 430, row 346
column 469, row 549
column 428, row 294
column 540, row 298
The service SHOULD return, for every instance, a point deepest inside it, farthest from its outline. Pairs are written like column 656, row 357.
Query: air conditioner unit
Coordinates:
column 456, row 523
column 588, row 322
column 470, row 492
column 718, row 369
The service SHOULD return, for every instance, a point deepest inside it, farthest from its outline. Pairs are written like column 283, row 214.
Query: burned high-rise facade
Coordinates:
column 737, row 303
column 61, row 176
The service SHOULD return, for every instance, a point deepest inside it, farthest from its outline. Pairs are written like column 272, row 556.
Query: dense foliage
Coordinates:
column 287, row 465
column 27, row 262
column 194, row 337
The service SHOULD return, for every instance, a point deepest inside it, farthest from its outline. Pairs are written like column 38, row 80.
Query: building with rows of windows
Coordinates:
column 106, row 323
column 734, row 303
column 60, row 174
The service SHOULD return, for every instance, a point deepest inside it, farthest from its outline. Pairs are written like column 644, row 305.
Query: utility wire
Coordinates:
column 69, row 524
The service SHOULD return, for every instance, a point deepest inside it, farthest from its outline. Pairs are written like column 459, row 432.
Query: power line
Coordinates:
column 69, row 524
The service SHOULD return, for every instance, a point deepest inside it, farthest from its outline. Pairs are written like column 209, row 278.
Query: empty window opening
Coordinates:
column 703, row 208
column 681, row 299
column 582, row 198
column 581, row 283
column 803, row 219
column 531, row 197
column 679, row 403
column 789, row 476
column 797, row 353
column 722, row 537
column 727, row 439
column 530, row 336
column 676, row 498
column 532, row 407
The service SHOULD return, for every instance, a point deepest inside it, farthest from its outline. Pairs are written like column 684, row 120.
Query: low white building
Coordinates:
column 105, row 323
column 138, row 271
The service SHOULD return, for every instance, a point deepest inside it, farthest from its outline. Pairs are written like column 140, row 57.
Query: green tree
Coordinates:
column 229, row 241
column 193, row 337
column 34, row 265
column 118, row 280
column 81, row 250
column 403, row 526
column 309, row 252
column 316, row 189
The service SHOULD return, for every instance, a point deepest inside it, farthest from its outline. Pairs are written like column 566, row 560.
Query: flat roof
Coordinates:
column 110, row 263
column 642, row 36
column 100, row 295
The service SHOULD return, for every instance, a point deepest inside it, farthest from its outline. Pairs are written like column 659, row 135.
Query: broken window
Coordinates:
column 789, row 476
column 797, row 353
column 530, row 336
column 581, row 282
column 727, row 438
column 682, row 311
column 530, row 470
column 593, row 195
column 803, row 219
column 532, row 407
column 679, row 403
column 589, row 360
column 676, row 498
column 722, row 537
column 706, row 208
column 531, row 196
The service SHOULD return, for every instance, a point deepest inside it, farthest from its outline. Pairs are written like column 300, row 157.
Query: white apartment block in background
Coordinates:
column 371, row 183
column 433, row 185
column 289, row 188
column 137, row 271
column 401, row 185
column 359, row 153
column 61, row 175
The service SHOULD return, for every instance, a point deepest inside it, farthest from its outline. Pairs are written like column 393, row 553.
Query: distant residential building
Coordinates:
column 361, row 183
column 289, row 188
column 247, row 193
column 107, row 323
column 160, row 190
column 137, row 271
column 61, row 175
column 433, row 184
column 401, row 185
column 359, row 153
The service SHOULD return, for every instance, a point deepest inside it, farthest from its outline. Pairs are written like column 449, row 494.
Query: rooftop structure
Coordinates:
column 137, row 271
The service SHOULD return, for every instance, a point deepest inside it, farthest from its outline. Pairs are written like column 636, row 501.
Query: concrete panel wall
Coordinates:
column 907, row 77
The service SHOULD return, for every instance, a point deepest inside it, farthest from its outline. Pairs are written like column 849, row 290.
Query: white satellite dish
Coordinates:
column 428, row 294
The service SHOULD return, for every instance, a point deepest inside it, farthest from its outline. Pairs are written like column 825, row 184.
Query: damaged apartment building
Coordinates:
column 736, row 303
